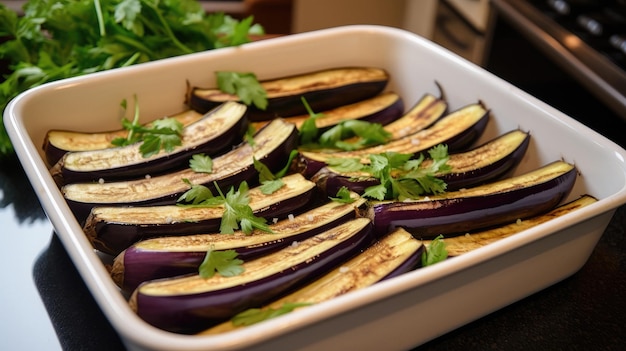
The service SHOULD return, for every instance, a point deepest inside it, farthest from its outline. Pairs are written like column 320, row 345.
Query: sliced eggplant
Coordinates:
column 458, row 130
column 191, row 304
column 178, row 255
column 272, row 146
column 422, row 115
column 215, row 132
column 392, row 255
column 461, row 244
column 482, row 164
column 58, row 142
column 493, row 204
column 323, row 90
column 113, row 229
column 383, row 108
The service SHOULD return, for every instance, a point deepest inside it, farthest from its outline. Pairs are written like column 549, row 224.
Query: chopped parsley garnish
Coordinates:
column 224, row 262
column 435, row 252
column 354, row 134
column 244, row 85
column 308, row 130
column 400, row 177
column 256, row 315
column 237, row 211
column 201, row 163
column 163, row 134
column 271, row 182
column 343, row 196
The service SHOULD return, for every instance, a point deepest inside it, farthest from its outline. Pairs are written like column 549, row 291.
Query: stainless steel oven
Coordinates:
column 569, row 53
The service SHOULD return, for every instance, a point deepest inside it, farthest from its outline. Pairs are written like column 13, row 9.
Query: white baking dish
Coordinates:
column 395, row 314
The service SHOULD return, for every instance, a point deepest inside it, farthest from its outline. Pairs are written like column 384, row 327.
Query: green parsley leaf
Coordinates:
column 238, row 211
column 354, row 134
column 198, row 196
column 224, row 262
column 435, row 252
column 244, row 85
column 272, row 182
column 256, row 315
column 343, row 196
column 201, row 163
column 308, row 131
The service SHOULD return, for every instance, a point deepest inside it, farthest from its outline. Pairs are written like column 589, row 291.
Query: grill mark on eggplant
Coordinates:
column 425, row 113
column 113, row 229
column 178, row 255
column 323, row 90
column 470, row 120
column 392, row 255
column 272, row 145
column 461, row 244
column 58, row 142
column 190, row 304
column 486, row 162
column 212, row 134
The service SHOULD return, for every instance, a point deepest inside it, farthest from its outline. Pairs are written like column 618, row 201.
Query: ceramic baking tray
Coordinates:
column 392, row 315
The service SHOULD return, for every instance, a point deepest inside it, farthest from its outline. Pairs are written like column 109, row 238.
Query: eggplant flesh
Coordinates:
column 272, row 146
column 178, row 255
column 192, row 303
column 215, row 132
column 458, row 245
column 383, row 108
column 422, row 115
column 480, row 207
column 458, row 130
column 484, row 163
column 58, row 142
column 393, row 255
column 323, row 90
column 113, row 229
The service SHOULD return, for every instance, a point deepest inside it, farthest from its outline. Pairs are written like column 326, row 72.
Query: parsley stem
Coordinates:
column 168, row 30
column 100, row 17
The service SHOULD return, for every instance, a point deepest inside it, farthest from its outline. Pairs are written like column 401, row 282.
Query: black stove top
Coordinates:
column 587, row 38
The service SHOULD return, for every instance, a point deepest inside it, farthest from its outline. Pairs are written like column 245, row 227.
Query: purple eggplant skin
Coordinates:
column 273, row 144
column 189, row 312
column 455, row 213
column 458, row 130
column 113, row 229
column 461, row 244
column 59, row 142
column 323, row 90
column 143, row 261
column 468, row 168
column 224, row 126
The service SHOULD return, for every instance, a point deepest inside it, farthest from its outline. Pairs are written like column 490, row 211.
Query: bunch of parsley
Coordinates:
column 57, row 39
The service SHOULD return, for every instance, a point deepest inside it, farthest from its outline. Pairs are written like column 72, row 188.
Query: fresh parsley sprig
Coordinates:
column 271, row 182
column 346, row 135
column 223, row 262
column 256, row 315
column 435, row 252
column 163, row 134
column 60, row 39
column 237, row 211
column 400, row 176
column 343, row 196
column 245, row 85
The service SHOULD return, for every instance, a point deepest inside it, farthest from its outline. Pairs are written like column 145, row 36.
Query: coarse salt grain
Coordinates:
column 148, row 176
column 310, row 218
column 295, row 244
column 101, row 181
column 290, row 217
column 274, row 220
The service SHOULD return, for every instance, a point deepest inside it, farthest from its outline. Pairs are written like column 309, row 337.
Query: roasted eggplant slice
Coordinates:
column 458, row 130
column 215, row 132
column 178, row 255
column 461, row 244
column 323, row 90
column 422, row 115
column 271, row 145
column 394, row 254
column 191, row 304
column 383, row 108
column 113, row 229
column 493, row 204
column 58, row 142
column 477, row 166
